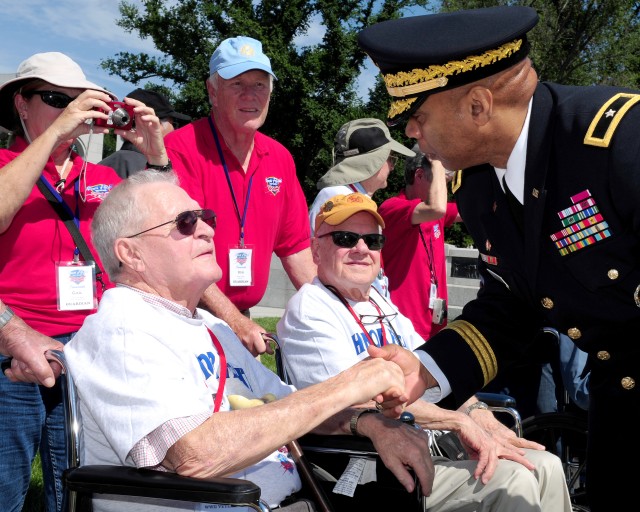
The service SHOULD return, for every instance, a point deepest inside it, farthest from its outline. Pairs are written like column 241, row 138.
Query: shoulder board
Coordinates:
column 456, row 181
column 606, row 121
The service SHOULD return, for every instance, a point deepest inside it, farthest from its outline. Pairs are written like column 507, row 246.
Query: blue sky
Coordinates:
column 85, row 30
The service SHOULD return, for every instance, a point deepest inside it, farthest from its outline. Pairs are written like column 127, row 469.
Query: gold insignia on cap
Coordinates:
column 400, row 106
column 247, row 50
column 419, row 80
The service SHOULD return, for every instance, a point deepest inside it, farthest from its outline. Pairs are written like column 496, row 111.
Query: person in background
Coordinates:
column 225, row 162
column 327, row 327
column 128, row 159
column 415, row 220
column 165, row 385
column 364, row 154
column 48, row 279
column 549, row 190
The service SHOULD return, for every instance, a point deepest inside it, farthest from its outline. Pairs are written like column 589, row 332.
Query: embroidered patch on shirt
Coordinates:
column 273, row 184
column 582, row 225
column 97, row 192
column 436, row 231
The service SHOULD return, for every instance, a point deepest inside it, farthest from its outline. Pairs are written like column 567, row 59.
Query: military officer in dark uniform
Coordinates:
column 550, row 191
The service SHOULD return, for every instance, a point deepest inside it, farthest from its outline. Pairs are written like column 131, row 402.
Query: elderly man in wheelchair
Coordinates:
column 164, row 385
column 328, row 326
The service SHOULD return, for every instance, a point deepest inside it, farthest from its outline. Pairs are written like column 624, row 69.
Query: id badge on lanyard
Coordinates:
column 76, row 285
column 241, row 265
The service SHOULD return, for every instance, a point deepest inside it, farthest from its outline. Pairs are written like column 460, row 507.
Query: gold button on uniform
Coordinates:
column 574, row 333
column 547, row 303
column 603, row 355
column 613, row 274
column 628, row 383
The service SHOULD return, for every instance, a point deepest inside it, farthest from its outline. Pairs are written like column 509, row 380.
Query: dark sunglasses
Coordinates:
column 54, row 99
column 349, row 239
column 186, row 222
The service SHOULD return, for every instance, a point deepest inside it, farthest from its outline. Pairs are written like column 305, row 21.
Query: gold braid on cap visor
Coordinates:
column 406, row 83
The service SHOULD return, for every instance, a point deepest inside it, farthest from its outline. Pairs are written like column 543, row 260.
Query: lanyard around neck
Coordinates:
column 223, row 371
column 358, row 320
column 74, row 215
column 242, row 218
column 430, row 262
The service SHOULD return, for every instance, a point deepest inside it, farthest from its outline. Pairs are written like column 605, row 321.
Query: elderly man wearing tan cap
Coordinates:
column 327, row 327
column 364, row 154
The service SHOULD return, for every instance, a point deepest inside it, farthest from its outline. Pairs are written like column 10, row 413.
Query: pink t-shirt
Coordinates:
column 409, row 267
column 276, row 214
column 37, row 239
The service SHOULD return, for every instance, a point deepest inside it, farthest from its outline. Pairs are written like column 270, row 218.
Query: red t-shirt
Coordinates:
column 276, row 215
column 37, row 239
column 409, row 266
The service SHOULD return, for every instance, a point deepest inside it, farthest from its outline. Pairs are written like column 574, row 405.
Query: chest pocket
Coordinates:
column 605, row 264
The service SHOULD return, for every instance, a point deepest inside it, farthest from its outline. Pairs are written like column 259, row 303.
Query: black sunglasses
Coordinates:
column 186, row 222
column 54, row 99
column 349, row 239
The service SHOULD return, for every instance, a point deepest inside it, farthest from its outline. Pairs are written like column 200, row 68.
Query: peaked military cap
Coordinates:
column 423, row 55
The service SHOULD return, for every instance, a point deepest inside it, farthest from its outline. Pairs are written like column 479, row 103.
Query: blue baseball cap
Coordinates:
column 237, row 55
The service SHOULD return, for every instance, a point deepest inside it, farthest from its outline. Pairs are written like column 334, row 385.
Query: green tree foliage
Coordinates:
column 580, row 42
column 315, row 91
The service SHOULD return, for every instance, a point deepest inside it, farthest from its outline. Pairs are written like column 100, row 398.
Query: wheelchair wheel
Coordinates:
column 565, row 434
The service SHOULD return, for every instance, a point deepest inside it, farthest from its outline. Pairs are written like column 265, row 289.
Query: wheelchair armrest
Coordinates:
column 498, row 402
column 496, row 399
column 348, row 445
column 130, row 481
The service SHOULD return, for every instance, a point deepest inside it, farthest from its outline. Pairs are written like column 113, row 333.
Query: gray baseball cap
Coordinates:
column 360, row 149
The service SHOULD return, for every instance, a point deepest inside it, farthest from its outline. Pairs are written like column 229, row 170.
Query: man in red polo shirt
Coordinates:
column 249, row 180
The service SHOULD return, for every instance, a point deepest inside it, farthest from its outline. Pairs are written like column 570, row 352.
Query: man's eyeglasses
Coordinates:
column 349, row 239
column 393, row 159
column 374, row 319
column 54, row 99
column 186, row 222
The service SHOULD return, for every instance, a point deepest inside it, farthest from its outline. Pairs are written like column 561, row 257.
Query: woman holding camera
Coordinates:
column 49, row 273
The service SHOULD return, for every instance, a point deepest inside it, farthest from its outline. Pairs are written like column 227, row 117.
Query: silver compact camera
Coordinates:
column 439, row 311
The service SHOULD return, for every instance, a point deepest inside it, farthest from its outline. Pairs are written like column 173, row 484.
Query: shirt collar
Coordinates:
column 156, row 300
column 514, row 173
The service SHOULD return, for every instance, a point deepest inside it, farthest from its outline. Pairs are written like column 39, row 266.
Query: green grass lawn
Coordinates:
column 34, row 502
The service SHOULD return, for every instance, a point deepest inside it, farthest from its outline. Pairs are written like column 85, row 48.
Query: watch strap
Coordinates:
column 162, row 168
column 353, row 424
column 6, row 316
column 476, row 405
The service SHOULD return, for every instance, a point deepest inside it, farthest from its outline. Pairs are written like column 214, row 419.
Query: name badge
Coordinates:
column 433, row 294
column 240, row 266
column 76, row 285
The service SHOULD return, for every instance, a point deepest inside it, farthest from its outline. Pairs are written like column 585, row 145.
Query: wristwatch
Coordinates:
column 6, row 316
column 476, row 405
column 353, row 424
column 162, row 168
